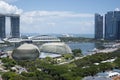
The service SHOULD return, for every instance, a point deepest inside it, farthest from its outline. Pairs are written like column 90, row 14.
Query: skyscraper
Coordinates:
column 15, row 25
column 15, row 22
column 118, row 30
column 112, row 25
column 98, row 26
column 2, row 26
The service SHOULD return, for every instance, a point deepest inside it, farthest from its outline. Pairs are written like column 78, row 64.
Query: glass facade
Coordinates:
column 2, row 26
column 118, row 30
column 15, row 22
column 98, row 26
column 112, row 19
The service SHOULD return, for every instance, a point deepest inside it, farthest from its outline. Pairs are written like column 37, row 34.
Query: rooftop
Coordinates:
column 27, row 46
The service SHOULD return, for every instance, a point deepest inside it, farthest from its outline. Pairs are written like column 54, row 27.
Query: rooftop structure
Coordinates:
column 2, row 26
column 98, row 26
column 26, row 52
column 41, row 38
column 15, row 24
column 57, row 48
column 112, row 25
column 44, row 38
column 13, row 40
column 44, row 55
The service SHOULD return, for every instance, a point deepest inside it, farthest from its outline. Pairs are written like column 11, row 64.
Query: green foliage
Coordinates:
column 19, row 77
column 105, row 66
column 50, row 60
column 43, row 76
column 77, row 52
column 8, row 75
column 95, row 58
column 73, row 71
column 68, row 56
column 117, row 62
column 30, row 74
column 75, row 39
column 8, row 62
column 5, row 60
column 70, row 76
column 14, row 76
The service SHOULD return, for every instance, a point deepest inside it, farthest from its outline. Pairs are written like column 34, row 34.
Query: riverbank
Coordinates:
column 83, row 39
column 108, row 50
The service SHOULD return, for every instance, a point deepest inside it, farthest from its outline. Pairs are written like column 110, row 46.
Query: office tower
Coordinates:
column 98, row 26
column 112, row 25
column 15, row 28
column 2, row 26
column 118, row 30
column 15, row 24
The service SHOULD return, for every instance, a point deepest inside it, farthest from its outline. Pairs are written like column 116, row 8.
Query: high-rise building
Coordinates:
column 15, row 25
column 2, row 26
column 112, row 25
column 98, row 26
column 15, row 28
column 118, row 30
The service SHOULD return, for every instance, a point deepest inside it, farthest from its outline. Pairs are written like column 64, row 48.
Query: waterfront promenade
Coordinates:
column 107, row 50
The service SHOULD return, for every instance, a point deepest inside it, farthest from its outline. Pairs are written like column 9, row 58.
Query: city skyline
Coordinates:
column 51, row 16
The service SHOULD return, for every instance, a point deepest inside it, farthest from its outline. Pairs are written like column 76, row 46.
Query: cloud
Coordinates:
column 42, row 16
column 57, row 22
column 9, row 1
column 51, row 24
column 50, row 21
column 57, row 14
column 117, row 9
column 7, row 8
column 83, row 23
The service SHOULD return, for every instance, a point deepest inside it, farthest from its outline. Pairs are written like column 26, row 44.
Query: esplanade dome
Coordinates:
column 58, row 48
column 26, row 52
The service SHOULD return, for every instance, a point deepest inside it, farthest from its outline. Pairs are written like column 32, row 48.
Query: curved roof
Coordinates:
column 60, row 48
column 27, row 46
column 44, row 38
column 26, row 52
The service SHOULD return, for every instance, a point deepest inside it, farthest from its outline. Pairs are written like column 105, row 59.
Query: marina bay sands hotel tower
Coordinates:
column 14, row 25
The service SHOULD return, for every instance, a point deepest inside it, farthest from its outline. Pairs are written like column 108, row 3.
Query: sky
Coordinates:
column 58, row 16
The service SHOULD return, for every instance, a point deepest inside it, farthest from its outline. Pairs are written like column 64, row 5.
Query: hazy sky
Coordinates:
column 58, row 16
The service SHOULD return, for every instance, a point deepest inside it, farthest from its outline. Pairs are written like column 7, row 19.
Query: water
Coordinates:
column 84, row 46
column 7, row 48
column 61, row 35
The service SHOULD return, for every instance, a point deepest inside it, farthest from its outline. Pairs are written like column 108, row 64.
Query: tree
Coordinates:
column 8, row 62
column 117, row 62
column 8, row 75
column 49, row 59
column 77, row 52
column 105, row 66
column 68, row 56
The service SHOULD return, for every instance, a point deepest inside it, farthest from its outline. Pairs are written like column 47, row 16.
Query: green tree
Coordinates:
column 77, row 52
column 68, row 56
column 49, row 59
column 8, row 62
column 8, row 75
